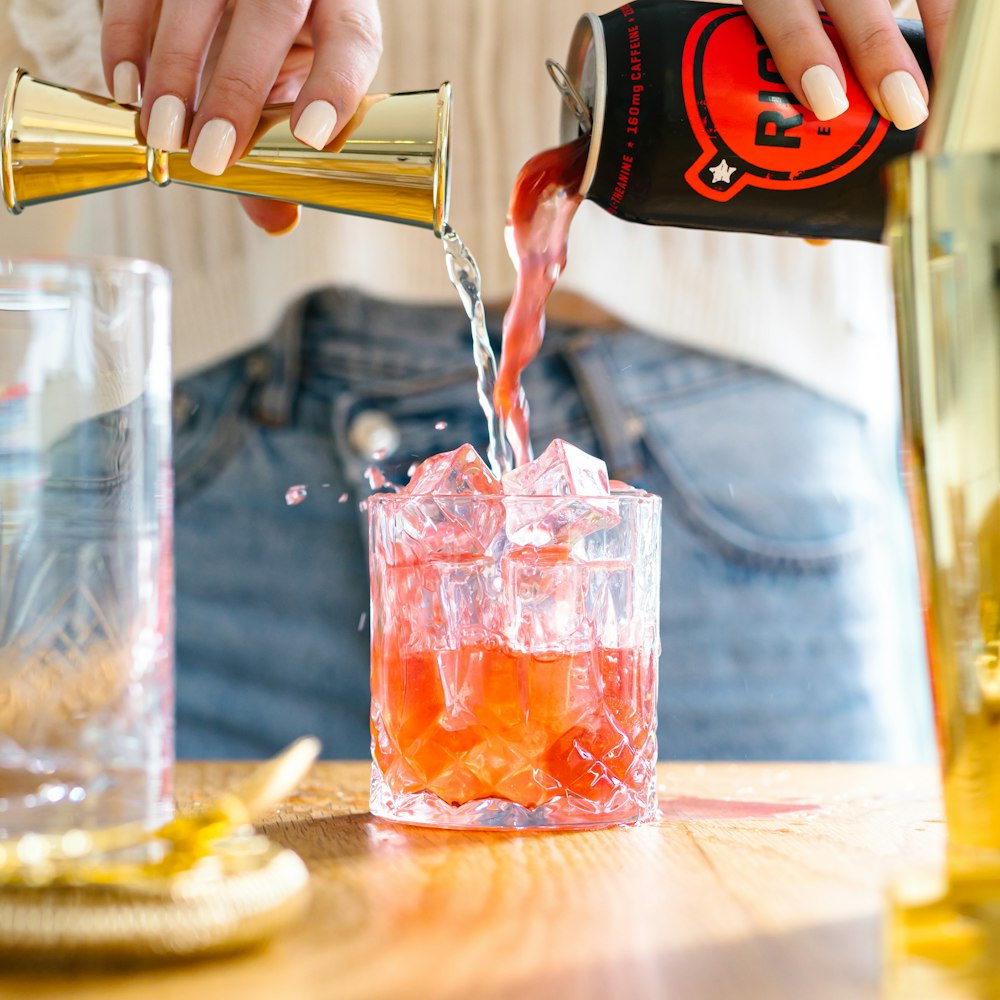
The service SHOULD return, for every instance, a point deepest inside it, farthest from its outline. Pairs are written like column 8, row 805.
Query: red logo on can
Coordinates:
column 752, row 130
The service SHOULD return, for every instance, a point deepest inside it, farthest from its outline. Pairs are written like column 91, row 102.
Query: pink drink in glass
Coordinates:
column 514, row 685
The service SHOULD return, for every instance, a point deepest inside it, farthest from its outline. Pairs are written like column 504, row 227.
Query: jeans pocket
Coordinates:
column 769, row 472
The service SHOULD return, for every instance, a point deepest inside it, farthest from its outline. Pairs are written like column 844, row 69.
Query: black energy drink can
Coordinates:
column 693, row 126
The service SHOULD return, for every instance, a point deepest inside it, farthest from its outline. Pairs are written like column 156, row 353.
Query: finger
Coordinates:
column 292, row 75
column 276, row 218
column 126, row 30
column 347, row 38
column 183, row 35
column 260, row 36
column 803, row 53
column 882, row 61
column 936, row 15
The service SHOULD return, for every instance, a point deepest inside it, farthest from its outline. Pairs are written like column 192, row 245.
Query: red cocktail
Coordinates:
column 514, row 647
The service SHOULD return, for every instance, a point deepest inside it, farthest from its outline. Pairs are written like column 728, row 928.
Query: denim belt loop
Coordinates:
column 587, row 356
column 275, row 397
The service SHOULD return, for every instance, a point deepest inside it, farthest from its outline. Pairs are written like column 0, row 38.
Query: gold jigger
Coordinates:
column 390, row 162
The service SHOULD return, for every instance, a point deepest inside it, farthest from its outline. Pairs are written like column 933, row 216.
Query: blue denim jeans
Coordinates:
column 789, row 623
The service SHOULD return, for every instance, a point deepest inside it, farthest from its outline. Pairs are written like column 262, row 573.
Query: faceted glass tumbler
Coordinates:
column 513, row 685
column 86, row 571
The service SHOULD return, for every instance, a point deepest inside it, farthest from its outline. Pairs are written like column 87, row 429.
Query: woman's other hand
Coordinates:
column 206, row 68
column 879, row 56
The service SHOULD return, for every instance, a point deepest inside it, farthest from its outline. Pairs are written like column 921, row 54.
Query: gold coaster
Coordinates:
column 241, row 895
column 201, row 884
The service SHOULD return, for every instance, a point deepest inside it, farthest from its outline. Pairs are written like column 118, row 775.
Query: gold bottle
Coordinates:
column 944, row 229
column 391, row 161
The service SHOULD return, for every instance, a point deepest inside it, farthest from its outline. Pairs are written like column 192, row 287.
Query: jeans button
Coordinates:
column 258, row 367
column 373, row 434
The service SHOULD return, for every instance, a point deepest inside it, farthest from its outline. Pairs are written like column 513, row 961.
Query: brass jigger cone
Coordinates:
column 390, row 162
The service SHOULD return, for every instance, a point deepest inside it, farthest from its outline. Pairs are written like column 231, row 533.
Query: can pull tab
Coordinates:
column 570, row 95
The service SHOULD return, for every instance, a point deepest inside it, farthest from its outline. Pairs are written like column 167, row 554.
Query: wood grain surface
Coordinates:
column 760, row 881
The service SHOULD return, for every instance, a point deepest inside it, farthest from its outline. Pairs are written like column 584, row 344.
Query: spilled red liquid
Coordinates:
column 545, row 199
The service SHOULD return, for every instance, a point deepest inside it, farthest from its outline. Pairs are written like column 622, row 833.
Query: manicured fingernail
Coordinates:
column 824, row 92
column 214, row 148
column 316, row 124
column 126, row 83
column 903, row 101
column 166, row 123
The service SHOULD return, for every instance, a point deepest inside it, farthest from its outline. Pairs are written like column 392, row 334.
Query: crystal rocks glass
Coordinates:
column 86, row 574
column 514, row 683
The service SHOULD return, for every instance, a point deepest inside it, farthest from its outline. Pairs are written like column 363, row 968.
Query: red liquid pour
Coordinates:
column 545, row 199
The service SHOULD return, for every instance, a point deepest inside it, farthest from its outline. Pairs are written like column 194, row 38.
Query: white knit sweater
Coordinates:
column 819, row 316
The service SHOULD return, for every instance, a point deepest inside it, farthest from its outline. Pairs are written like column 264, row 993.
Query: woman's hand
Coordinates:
column 206, row 68
column 880, row 58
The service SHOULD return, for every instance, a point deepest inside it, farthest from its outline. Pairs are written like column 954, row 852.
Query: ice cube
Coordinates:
column 452, row 511
column 453, row 473
column 611, row 604
column 566, row 487
column 461, row 675
column 443, row 605
column 545, row 596
column 446, row 527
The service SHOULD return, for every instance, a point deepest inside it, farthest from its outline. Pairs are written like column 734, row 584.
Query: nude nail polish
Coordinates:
column 166, row 123
column 824, row 92
column 214, row 148
column 125, row 80
column 316, row 124
column 904, row 103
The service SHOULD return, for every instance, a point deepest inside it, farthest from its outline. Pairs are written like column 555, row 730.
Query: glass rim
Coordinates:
column 56, row 267
column 384, row 498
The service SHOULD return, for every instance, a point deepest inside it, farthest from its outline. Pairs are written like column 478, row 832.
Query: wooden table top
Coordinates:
column 760, row 881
